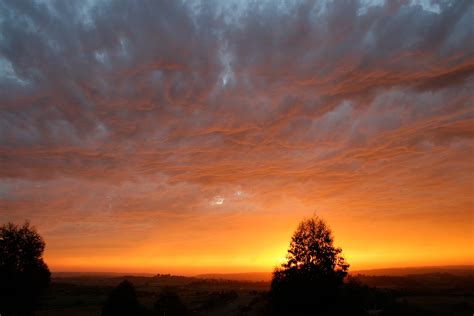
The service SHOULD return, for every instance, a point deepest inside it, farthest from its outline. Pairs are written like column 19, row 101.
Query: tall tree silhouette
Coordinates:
column 308, row 283
column 23, row 273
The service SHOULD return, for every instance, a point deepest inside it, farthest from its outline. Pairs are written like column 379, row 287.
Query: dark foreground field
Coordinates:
column 434, row 293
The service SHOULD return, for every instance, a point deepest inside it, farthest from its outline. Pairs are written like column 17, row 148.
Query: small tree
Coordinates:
column 23, row 273
column 169, row 303
column 122, row 301
column 309, row 281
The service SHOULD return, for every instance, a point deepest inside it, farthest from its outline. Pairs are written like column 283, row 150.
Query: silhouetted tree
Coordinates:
column 309, row 282
column 169, row 303
column 23, row 273
column 122, row 301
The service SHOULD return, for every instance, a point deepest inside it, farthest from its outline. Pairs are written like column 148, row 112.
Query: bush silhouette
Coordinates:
column 122, row 301
column 219, row 298
column 169, row 303
column 23, row 273
column 310, row 281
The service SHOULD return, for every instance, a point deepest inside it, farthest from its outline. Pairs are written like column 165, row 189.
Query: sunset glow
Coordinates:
column 194, row 139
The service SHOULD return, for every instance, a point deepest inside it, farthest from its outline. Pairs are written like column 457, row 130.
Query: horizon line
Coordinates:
column 138, row 273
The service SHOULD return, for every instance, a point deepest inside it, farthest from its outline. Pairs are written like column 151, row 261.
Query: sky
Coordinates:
column 192, row 136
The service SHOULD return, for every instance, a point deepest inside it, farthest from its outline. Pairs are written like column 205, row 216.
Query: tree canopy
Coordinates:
column 23, row 272
column 309, row 281
column 311, row 249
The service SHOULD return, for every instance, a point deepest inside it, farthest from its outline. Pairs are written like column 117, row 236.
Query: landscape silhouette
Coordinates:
column 314, row 280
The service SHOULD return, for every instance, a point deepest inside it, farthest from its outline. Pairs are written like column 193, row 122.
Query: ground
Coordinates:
column 422, row 294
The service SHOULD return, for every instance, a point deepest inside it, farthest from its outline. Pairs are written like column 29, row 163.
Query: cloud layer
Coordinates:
column 206, row 117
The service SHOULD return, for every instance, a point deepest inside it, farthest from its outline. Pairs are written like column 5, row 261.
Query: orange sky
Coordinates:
column 194, row 139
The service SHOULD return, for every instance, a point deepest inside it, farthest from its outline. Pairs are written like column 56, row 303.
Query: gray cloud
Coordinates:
column 203, row 97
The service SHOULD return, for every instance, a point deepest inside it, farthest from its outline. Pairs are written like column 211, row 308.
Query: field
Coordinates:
column 433, row 293
column 85, row 295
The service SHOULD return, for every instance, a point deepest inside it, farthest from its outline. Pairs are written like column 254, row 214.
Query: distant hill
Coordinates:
column 454, row 270
column 250, row 276
column 267, row 276
column 62, row 274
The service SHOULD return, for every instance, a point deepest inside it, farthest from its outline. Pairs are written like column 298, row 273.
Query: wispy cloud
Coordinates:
column 159, row 112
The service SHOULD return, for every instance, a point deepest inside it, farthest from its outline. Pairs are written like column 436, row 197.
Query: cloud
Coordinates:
column 126, row 111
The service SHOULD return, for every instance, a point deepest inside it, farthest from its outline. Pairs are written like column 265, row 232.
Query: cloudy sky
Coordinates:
column 193, row 136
